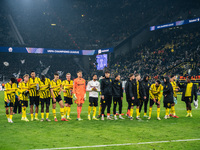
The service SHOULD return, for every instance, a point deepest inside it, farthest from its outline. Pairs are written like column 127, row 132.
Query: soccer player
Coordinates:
column 100, row 105
column 67, row 90
column 44, row 92
column 175, row 89
column 10, row 90
column 155, row 97
column 55, row 89
column 146, row 85
column 106, row 95
column 168, row 96
column 189, row 90
column 117, row 96
column 137, row 93
column 128, row 98
column 23, row 89
column 79, row 91
column 93, row 87
column 34, row 94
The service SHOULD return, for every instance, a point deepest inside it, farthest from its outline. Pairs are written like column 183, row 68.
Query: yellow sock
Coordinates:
column 42, row 115
column 173, row 110
column 65, row 110
column 131, row 112
column 62, row 112
column 137, row 112
column 145, row 114
column 7, row 115
column 36, row 115
column 190, row 111
column 68, row 111
column 47, row 115
column 150, row 110
column 31, row 116
column 89, row 110
column 158, row 112
column 94, row 111
column 11, row 117
column 54, row 113
column 167, row 111
column 100, row 110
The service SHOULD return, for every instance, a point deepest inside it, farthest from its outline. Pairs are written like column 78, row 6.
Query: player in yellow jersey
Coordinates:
column 34, row 94
column 175, row 89
column 10, row 90
column 67, row 86
column 44, row 85
column 23, row 89
column 56, row 88
column 155, row 91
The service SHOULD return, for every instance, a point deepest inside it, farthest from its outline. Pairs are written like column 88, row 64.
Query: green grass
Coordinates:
column 38, row 135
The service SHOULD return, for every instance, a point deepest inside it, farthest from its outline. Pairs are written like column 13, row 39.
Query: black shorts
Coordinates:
column 152, row 102
column 117, row 100
column 34, row 100
column 45, row 100
column 93, row 101
column 24, row 103
column 68, row 100
column 58, row 99
column 167, row 105
column 107, row 100
column 188, row 99
column 11, row 104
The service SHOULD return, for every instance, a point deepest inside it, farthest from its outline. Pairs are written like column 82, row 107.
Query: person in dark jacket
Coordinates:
column 137, row 94
column 168, row 96
column 189, row 93
column 128, row 98
column 117, row 95
column 106, row 95
column 146, row 85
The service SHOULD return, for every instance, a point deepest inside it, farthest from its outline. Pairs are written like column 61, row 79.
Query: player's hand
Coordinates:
column 18, row 98
column 54, row 100
column 145, row 97
column 7, row 101
column 102, row 96
column 64, row 91
column 94, row 89
column 154, row 99
column 158, row 102
column 165, row 95
column 59, row 93
column 121, row 98
column 133, row 98
column 176, row 90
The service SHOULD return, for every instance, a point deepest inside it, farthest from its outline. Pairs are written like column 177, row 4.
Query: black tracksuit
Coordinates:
column 168, row 93
column 128, row 98
column 106, row 91
column 146, row 85
column 117, row 94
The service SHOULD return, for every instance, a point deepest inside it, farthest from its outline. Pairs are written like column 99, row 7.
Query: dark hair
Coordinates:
column 79, row 71
column 158, row 81
column 94, row 74
column 56, row 74
column 32, row 71
column 189, row 77
column 116, row 75
column 43, row 78
column 172, row 76
column 12, row 80
column 130, row 75
column 107, row 71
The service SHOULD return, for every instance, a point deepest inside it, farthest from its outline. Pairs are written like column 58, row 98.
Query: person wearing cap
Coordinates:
column 17, row 103
column 93, row 87
column 155, row 92
column 9, row 97
column 189, row 93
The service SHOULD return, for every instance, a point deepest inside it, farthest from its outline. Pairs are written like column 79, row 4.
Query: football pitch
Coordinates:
column 173, row 133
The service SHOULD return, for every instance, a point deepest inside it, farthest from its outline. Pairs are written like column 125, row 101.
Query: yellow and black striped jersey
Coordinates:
column 156, row 92
column 9, row 92
column 174, row 85
column 44, row 91
column 33, row 86
column 138, row 92
column 68, row 87
column 56, row 87
column 22, row 89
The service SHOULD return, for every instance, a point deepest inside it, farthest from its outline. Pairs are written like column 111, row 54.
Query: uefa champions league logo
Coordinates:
column 10, row 49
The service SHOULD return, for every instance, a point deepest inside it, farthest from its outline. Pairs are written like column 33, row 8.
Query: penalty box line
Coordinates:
column 125, row 144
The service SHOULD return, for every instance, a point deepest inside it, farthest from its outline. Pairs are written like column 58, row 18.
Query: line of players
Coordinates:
column 41, row 90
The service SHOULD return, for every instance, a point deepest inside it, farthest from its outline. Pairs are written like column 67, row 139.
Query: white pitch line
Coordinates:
column 125, row 144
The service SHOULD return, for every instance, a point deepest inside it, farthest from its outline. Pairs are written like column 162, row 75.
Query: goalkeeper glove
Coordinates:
column 196, row 103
